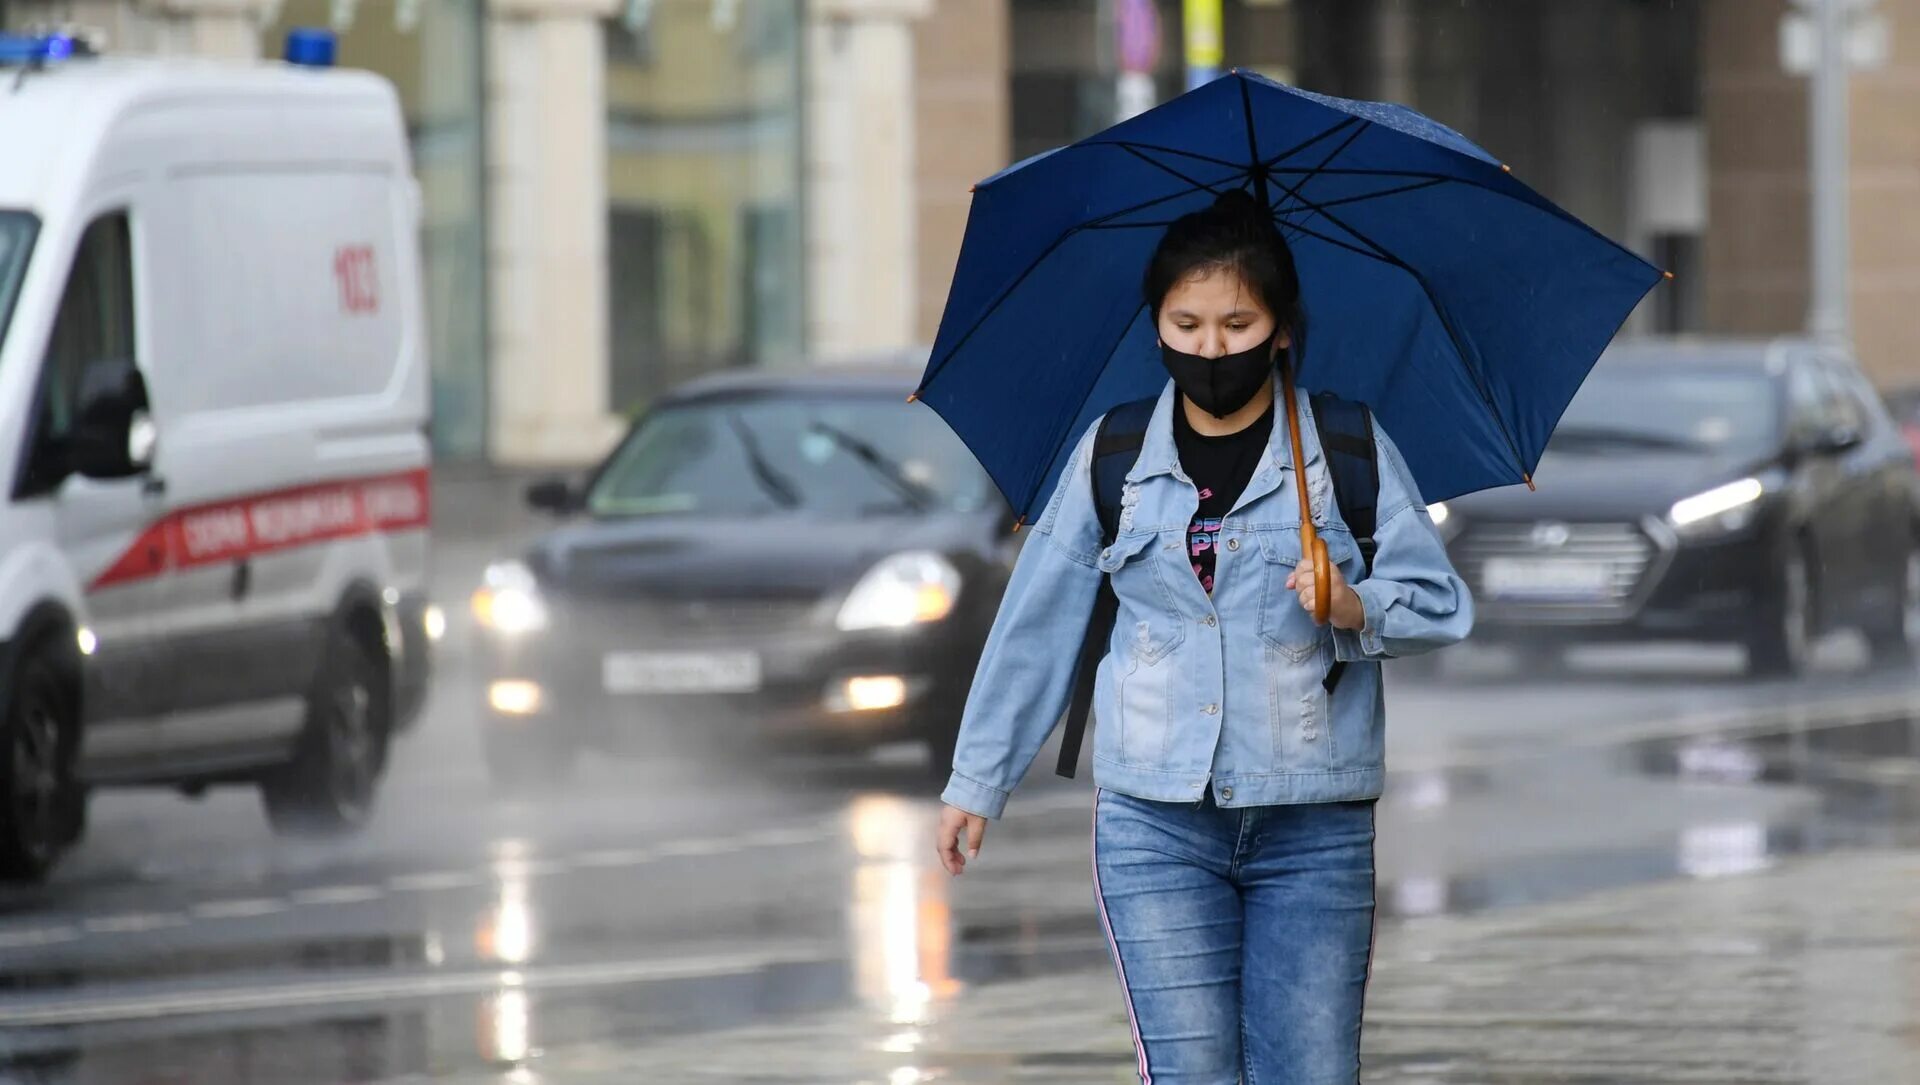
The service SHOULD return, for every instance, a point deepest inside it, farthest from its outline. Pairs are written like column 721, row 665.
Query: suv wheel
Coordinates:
column 328, row 787
column 39, row 802
column 1784, row 644
column 1896, row 641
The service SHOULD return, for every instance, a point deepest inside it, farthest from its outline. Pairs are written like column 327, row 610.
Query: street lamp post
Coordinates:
column 1828, row 313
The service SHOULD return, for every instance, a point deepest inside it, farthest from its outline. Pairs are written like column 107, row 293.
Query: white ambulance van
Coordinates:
column 213, row 436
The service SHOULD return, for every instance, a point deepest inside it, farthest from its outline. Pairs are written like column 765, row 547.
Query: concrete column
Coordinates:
column 215, row 28
column 961, row 78
column 547, row 246
column 860, row 169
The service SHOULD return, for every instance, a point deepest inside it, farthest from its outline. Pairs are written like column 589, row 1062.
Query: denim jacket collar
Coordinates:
column 1159, row 455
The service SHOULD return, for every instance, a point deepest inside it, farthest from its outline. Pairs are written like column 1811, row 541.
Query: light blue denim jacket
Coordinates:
column 1195, row 689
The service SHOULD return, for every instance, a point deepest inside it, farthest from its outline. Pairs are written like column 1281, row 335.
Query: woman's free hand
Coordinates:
column 953, row 821
column 1346, row 612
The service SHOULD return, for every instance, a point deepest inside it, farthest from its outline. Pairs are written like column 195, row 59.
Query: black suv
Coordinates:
column 1706, row 491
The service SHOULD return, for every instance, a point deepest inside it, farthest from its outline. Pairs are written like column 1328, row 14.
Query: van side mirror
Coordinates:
column 553, row 495
column 112, row 435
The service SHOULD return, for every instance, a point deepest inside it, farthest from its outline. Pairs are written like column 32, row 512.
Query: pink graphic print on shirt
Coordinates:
column 1203, row 535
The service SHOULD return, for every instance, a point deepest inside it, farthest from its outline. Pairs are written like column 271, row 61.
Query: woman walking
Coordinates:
column 1239, row 751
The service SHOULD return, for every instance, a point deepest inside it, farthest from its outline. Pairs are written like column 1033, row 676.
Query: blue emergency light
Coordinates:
column 308, row 47
column 39, row 49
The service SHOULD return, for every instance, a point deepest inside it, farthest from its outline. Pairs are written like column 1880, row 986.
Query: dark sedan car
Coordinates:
column 797, row 558
column 1709, row 491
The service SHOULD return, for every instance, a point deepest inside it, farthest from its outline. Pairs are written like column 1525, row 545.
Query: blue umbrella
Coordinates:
column 1461, row 306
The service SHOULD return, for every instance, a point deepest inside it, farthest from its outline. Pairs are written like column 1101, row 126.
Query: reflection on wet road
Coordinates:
column 474, row 938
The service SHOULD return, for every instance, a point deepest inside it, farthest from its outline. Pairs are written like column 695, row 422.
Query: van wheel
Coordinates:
column 327, row 789
column 38, row 796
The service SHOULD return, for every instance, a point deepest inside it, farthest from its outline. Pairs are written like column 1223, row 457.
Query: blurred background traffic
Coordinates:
column 706, row 591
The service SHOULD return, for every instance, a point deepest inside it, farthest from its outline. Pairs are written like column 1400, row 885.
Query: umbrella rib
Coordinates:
column 1562, row 214
column 1141, row 155
column 1295, row 193
column 1304, row 144
column 1548, row 209
column 1258, row 174
column 1135, row 145
column 935, row 365
column 1337, row 243
column 1162, row 224
column 1446, row 322
column 1365, row 196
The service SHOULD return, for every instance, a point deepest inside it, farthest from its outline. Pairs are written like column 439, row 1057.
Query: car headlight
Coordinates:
column 1444, row 520
column 1723, row 508
column 906, row 589
column 508, row 600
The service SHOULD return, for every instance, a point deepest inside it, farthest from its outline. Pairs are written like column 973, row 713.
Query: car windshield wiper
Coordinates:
column 1641, row 438
column 778, row 486
column 917, row 496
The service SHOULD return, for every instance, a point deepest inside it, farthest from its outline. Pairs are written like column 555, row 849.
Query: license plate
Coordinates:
column 680, row 672
column 1529, row 578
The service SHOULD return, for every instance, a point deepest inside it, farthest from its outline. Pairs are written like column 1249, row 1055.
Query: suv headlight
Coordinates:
column 1721, row 509
column 508, row 600
column 906, row 589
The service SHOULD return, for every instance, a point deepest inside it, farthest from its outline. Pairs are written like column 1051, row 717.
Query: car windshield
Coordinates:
column 845, row 456
column 1732, row 413
column 16, row 242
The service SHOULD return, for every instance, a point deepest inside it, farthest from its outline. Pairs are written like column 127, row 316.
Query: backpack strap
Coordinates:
column 1116, row 445
column 1346, row 437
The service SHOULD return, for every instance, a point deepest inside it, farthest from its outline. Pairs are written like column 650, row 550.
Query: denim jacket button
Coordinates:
column 1211, row 709
column 1208, row 621
column 1233, row 544
column 1226, row 794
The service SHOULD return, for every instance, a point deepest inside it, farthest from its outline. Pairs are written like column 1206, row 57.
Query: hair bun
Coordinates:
column 1240, row 204
column 1237, row 202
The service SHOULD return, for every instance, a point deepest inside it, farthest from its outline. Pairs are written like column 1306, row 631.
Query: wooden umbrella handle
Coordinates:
column 1312, row 546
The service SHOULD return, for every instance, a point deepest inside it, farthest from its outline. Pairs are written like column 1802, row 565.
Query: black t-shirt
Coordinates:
column 1220, row 468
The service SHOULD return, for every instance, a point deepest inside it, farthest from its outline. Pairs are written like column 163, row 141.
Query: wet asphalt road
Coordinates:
column 474, row 937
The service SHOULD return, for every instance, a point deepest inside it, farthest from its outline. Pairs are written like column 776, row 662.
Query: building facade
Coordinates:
column 1677, row 127
column 623, row 194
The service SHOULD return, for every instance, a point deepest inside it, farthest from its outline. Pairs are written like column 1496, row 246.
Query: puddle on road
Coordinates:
column 900, row 957
column 1862, row 779
column 906, row 949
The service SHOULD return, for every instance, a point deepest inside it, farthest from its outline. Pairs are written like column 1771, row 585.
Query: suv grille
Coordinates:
column 1551, row 571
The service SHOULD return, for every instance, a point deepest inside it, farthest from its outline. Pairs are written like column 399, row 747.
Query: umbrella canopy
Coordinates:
column 1460, row 305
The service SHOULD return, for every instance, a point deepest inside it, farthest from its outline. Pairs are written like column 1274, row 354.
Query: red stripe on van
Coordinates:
column 277, row 520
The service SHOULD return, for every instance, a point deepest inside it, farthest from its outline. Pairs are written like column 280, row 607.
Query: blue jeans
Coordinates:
column 1243, row 937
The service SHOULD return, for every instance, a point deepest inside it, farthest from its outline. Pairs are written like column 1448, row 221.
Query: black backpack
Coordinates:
column 1346, row 439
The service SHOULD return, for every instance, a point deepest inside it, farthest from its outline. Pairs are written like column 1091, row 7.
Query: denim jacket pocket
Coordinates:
column 1146, row 626
column 1284, row 624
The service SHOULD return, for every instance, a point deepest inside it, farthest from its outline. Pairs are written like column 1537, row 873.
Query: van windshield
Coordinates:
column 16, row 241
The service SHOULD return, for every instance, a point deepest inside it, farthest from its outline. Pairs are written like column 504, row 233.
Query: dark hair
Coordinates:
column 1234, row 233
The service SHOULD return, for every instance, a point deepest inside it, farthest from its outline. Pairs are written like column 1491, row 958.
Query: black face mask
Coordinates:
column 1223, row 385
